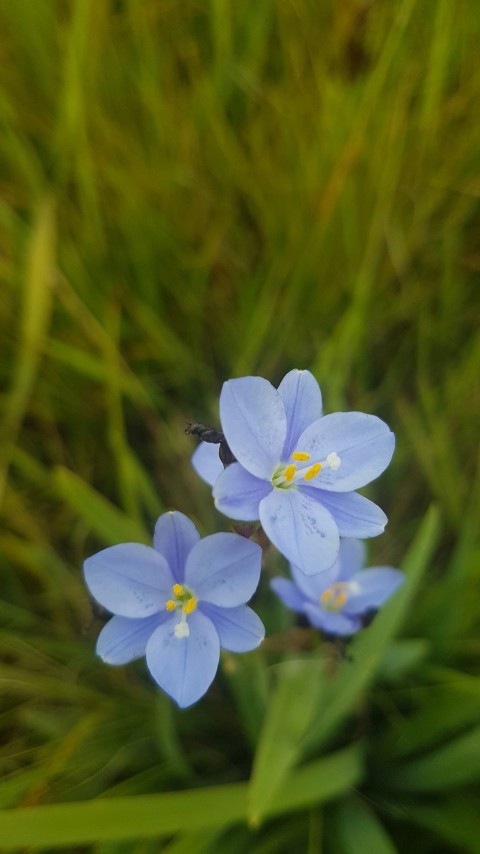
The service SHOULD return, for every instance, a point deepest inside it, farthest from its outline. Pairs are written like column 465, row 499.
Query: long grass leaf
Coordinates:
column 290, row 711
column 156, row 815
column 455, row 764
column 357, row 829
column 99, row 514
column 36, row 310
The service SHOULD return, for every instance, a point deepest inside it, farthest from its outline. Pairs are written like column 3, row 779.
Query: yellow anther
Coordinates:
column 289, row 472
column 335, row 596
column 313, row 471
column 170, row 605
column 178, row 589
column 190, row 605
column 327, row 595
column 301, row 456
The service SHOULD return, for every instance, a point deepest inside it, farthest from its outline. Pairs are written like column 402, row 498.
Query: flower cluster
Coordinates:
column 296, row 471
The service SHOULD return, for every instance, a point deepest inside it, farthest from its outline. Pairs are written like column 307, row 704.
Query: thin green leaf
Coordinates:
column 35, row 319
column 320, row 781
column 289, row 715
column 104, row 519
column 446, row 710
column 357, row 829
column 192, row 843
column 247, row 677
column 157, row 815
column 453, row 765
column 401, row 657
column 454, row 819
column 93, row 367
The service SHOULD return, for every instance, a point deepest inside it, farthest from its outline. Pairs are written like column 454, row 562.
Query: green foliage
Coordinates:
column 292, row 706
column 357, row 829
column 161, row 815
column 191, row 192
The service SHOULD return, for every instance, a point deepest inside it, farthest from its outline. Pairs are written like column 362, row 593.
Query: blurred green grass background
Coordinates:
column 193, row 191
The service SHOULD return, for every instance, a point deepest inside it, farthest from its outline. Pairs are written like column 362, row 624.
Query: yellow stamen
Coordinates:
column 289, row 472
column 190, row 605
column 170, row 605
column 335, row 596
column 301, row 456
column 177, row 589
column 313, row 471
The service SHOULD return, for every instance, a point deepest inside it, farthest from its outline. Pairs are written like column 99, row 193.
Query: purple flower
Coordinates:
column 335, row 600
column 297, row 471
column 177, row 603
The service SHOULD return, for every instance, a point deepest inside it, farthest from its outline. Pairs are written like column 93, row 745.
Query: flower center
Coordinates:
column 185, row 602
column 286, row 475
column 335, row 597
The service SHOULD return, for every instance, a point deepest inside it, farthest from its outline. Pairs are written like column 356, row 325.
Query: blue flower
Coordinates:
column 177, row 603
column 297, row 470
column 335, row 600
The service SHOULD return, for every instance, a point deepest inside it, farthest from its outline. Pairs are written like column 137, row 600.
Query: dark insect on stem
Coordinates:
column 213, row 437
column 206, row 434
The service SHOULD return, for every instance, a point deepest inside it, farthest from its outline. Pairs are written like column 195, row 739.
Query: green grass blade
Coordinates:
column 289, row 714
column 113, row 819
column 320, row 781
column 443, row 713
column 197, row 842
column 401, row 657
column 247, row 677
column 455, row 764
column 36, row 310
column 454, row 819
column 99, row 514
column 357, row 829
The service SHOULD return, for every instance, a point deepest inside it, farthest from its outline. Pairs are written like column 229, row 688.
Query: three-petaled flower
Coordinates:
column 296, row 470
column 336, row 600
column 177, row 603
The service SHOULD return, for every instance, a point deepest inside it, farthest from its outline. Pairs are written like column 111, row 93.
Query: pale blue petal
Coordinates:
column 355, row 515
column 349, row 561
column 332, row 623
column 206, row 462
column 130, row 579
column 175, row 536
column 312, row 586
column 239, row 629
column 254, row 423
column 237, row 493
column 124, row 639
column 224, row 569
column 301, row 529
column 351, row 558
column 302, row 400
column 372, row 587
column 289, row 594
column 364, row 444
column 184, row 667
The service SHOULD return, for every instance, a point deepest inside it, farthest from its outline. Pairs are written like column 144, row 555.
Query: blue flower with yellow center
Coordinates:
column 177, row 603
column 336, row 600
column 297, row 470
